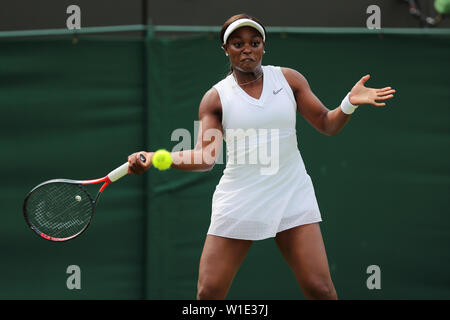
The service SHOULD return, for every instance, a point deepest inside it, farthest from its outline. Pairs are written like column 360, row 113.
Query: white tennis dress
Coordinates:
column 265, row 188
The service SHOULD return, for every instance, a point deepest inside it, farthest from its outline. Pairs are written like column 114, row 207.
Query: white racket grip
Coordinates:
column 118, row 173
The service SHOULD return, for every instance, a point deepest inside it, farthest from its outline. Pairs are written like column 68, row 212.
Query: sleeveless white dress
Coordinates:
column 265, row 188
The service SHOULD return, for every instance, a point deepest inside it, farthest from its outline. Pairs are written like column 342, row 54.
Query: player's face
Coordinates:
column 245, row 49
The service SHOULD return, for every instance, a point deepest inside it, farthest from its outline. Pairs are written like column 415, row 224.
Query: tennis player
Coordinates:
column 248, row 205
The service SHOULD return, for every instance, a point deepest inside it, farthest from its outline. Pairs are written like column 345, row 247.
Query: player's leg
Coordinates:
column 220, row 260
column 304, row 251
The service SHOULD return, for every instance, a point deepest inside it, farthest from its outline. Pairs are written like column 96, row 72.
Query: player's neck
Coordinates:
column 246, row 78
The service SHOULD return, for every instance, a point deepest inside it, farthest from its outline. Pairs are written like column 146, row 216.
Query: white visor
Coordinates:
column 243, row 23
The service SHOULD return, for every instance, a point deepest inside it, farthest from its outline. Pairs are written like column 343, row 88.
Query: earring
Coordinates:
column 226, row 54
column 264, row 51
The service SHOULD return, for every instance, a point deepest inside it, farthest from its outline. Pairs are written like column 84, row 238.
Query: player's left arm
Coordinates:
column 326, row 121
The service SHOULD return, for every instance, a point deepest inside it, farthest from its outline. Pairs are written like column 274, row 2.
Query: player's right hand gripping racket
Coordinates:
column 62, row 209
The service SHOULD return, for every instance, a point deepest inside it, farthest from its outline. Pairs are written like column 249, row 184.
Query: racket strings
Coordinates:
column 59, row 209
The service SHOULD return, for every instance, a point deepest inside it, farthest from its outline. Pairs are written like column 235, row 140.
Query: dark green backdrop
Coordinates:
column 76, row 109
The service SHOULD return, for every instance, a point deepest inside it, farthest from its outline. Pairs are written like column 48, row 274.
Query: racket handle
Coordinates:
column 119, row 172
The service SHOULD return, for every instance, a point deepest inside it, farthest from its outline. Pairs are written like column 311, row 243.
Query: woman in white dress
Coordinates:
column 253, row 108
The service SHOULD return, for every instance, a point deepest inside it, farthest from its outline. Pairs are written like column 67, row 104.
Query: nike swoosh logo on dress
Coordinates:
column 276, row 92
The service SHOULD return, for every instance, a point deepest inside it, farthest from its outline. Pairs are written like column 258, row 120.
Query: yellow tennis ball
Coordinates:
column 162, row 159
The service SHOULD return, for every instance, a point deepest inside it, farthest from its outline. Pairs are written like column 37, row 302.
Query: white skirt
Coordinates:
column 249, row 206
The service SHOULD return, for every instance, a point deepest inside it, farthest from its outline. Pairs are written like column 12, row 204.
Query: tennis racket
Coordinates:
column 62, row 209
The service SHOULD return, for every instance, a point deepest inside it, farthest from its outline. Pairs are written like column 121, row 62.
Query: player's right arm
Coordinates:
column 208, row 145
column 209, row 140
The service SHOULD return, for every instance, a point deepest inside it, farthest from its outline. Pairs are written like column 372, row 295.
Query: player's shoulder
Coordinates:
column 295, row 79
column 223, row 83
column 210, row 102
column 211, row 94
column 291, row 73
column 224, row 89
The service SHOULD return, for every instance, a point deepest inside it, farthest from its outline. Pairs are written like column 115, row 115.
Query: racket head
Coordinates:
column 58, row 210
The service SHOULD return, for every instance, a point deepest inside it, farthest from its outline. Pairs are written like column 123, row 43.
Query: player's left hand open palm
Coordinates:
column 362, row 95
